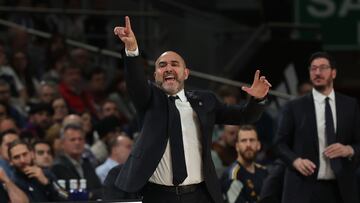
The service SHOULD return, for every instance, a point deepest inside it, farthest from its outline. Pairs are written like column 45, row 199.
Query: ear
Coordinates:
column 333, row 73
column 258, row 147
column 187, row 72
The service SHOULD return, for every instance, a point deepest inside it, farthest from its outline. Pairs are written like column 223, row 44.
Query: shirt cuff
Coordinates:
column 132, row 53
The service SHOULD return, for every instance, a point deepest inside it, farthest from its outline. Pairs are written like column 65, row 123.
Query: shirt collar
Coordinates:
column 181, row 95
column 319, row 97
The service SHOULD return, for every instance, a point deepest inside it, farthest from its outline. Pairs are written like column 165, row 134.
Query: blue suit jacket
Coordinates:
column 152, row 108
column 297, row 137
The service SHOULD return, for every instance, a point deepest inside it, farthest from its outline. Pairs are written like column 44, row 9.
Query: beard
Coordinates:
column 172, row 88
column 322, row 87
column 248, row 155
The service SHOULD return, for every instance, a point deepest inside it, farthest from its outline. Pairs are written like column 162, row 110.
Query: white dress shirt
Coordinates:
column 192, row 148
column 325, row 171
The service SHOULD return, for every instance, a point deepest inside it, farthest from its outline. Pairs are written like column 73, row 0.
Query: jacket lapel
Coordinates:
column 311, row 119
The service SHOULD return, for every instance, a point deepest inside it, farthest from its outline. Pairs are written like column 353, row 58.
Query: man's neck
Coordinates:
column 249, row 166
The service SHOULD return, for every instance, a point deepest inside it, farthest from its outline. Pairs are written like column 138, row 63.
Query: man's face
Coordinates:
column 41, row 119
column 98, row 82
column 73, row 143
column 230, row 133
column 47, row 94
column 247, row 145
column 123, row 148
column 109, row 109
column 73, row 78
column 42, row 155
column 321, row 74
column 21, row 157
column 170, row 72
column 7, row 139
column 4, row 93
column 60, row 109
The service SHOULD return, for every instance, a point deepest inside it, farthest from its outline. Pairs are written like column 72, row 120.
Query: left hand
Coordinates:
column 36, row 172
column 338, row 150
column 259, row 88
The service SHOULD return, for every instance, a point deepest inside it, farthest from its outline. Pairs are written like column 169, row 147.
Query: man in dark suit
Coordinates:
column 319, row 140
column 72, row 165
column 154, row 160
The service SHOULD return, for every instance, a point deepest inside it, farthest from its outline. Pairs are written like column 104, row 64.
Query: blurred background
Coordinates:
column 223, row 41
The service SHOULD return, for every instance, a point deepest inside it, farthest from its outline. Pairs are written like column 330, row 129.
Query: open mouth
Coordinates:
column 169, row 78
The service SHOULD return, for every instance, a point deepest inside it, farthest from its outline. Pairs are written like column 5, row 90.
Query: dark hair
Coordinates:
column 113, row 141
column 15, row 143
column 36, row 142
column 72, row 126
column 324, row 55
column 9, row 131
column 246, row 127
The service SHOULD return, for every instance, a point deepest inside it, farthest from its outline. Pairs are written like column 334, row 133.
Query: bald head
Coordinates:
column 172, row 54
column 170, row 72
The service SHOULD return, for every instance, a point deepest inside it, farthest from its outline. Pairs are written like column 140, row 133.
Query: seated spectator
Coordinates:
column 243, row 180
column 6, row 138
column 38, row 184
column 225, row 145
column 72, row 89
column 71, row 164
column 9, row 192
column 39, row 122
column 15, row 111
column 106, row 128
column 60, row 110
column 119, row 147
column 47, row 92
column 43, row 154
column 7, row 124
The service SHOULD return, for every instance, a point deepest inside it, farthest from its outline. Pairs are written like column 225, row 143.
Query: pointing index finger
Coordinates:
column 257, row 75
column 127, row 23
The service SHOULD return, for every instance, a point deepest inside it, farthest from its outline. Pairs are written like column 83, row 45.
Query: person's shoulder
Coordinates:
column 111, row 176
column 344, row 97
column 233, row 170
column 260, row 166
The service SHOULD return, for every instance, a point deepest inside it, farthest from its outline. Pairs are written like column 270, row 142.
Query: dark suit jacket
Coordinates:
column 152, row 107
column 297, row 137
column 64, row 169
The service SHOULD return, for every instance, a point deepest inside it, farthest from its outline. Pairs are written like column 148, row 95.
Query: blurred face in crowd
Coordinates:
column 123, row 148
column 73, row 143
column 73, row 78
column 20, row 157
column 321, row 74
column 41, row 119
column 170, row 72
column 20, row 61
column 230, row 133
column 86, row 121
column 247, row 145
column 42, row 155
column 60, row 109
column 98, row 82
column 5, row 93
column 110, row 108
column 6, row 124
column 47, row 93
column 7, row 139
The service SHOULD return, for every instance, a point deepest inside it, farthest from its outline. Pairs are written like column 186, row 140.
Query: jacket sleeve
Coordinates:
column 284, row 137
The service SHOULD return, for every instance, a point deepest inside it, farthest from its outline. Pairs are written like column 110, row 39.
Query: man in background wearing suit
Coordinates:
column 319, row 140
column 171, row 159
